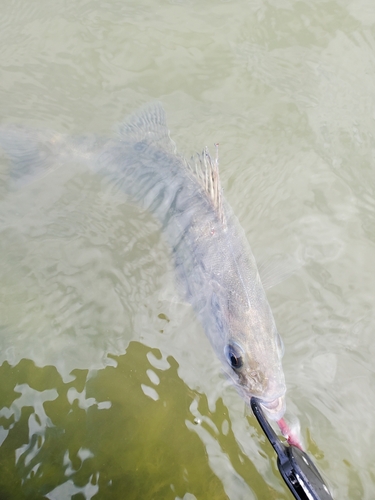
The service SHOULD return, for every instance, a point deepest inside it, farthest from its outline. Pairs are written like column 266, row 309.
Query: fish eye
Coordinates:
column 234, row 355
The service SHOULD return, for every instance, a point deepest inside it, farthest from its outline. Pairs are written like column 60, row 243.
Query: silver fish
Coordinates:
column 214, row 263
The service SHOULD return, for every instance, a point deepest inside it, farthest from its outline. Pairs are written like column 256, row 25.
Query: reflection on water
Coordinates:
column 121, row 431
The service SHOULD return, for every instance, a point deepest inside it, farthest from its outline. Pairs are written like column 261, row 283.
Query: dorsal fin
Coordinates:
column 148, row 124
column 207, row 171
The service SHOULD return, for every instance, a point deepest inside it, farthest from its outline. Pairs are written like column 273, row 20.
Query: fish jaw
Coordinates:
column 274, row 409
column 270, row 396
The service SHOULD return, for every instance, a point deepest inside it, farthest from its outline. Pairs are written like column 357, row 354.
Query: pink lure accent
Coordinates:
column 288, row 434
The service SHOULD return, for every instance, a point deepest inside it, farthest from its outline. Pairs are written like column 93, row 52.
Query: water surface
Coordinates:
column 109, row 387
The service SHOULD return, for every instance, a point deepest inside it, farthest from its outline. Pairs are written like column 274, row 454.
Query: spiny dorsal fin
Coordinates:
column 148, row 124
column 207, row 171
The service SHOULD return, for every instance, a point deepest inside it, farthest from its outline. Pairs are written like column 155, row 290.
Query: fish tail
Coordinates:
column 32, row 153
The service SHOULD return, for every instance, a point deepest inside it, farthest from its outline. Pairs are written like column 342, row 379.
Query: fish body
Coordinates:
column 215, row 267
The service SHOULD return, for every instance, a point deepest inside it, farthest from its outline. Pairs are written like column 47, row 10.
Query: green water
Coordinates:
column 109, row 388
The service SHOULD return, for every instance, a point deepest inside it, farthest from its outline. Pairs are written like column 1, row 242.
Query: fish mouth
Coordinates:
column 274, row 409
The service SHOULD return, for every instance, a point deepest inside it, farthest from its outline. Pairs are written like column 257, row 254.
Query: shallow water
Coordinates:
column 109, row 386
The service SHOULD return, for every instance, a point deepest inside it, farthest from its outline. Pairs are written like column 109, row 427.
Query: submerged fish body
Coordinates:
column 214, row 263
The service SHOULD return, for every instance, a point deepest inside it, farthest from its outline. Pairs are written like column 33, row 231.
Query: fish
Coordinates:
column 215, row 267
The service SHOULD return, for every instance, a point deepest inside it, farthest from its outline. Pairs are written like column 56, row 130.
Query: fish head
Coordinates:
column 254, row 364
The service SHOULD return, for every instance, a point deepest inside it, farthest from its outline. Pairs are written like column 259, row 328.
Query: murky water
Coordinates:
column 109, row 388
